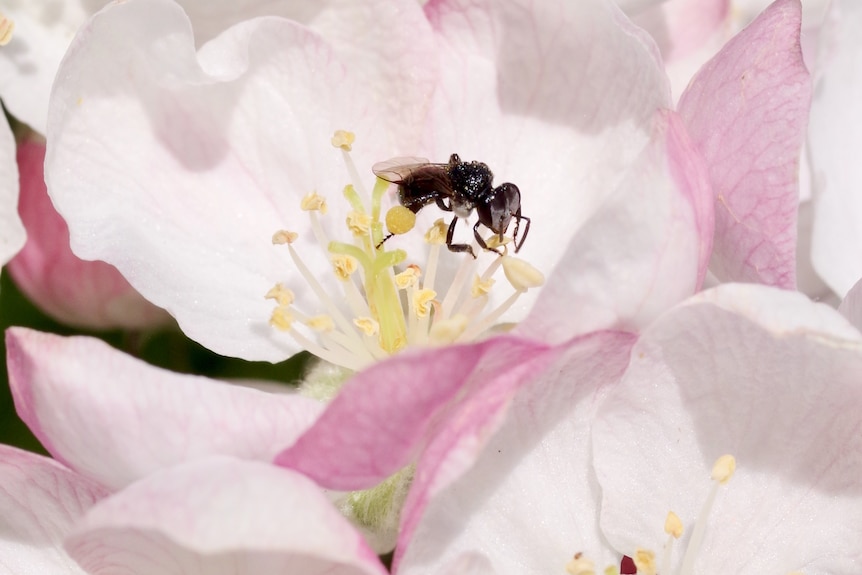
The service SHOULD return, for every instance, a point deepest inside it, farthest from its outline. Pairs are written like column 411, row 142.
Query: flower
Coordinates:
column 12, row 234
column 593, row 462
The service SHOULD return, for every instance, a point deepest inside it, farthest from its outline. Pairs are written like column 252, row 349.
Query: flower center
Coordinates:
column 389, row 304
column 644, row 561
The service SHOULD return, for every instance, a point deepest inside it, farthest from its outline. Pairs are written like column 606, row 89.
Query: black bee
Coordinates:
column 457, row 187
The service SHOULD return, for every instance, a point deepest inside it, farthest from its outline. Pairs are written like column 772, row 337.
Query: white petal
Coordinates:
column 12, row 234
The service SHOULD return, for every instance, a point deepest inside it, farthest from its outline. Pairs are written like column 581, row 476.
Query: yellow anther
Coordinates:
column 322, row 323
column 645, row 562
column 447, row 331
column 437, row 233
column 281, row 318
column 423, row 301
column 723, row 469
column 359, row 223
column 282, row 237
column 481, row 287
column 611, row 570
column 521, row 275
column 280, row 294
column 344, row 265
column 673, row 525
column 7, row 26
column 313, row 202
column 343, row 139
column 400, row 220
column 367, row 325
column 409, row 277
column 580, row 565
column 495, row 241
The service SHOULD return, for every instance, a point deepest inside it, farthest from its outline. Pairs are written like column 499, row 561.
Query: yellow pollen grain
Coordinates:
column 359, row 223
column 313, row 202
column 673, row 525
column 423, row 301
column 367, row 325
column 400, row 220
column 645, row 562
column 496, row 242
column 343, row 139
column 580, row 565
column 282, row 237
column 281, row 318
column 280, row 294
column 409, row 277
column 437, row 233
column 447, row 331
column 521, row 275
column 7, row 26
column 723, row 469
column 322, row 323
column 481, row 287
column 344, row 266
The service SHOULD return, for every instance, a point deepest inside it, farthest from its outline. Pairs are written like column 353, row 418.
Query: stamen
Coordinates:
column 344, row 266
column 673, row 527
column 447, row 331
column 723, row 469
column 409, row 277
column 359, row 223
column 280, row 294
column 422, row 301
column 281, row 318
column 343, row 139
column 7, row 26
column 521, row 275
column 312, row 202
column 580, row 565
column 367, row 325
column 481, row 287
column 645, row 562
column 322, row 323
column 282, row 237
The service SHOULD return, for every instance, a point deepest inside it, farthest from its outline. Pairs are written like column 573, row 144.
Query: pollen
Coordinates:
column 409, row 277
column 481, row 287
column 344, row 266
column 723, row 469
column 343, row 139
column 673, row 525
column 359, row 223
column 281, row 318
column 521, row 275
column 645, row 562
column 313, row 202
column 280, row 294
column 399, row 220
column 7, row 26
column 367, row 325
column 423, row 300
column 282, row 237
column 437, row 233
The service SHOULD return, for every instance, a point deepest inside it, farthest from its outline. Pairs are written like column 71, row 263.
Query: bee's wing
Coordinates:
column 397, row 169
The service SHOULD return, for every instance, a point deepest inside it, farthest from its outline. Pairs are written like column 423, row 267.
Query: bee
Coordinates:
column 458, row 187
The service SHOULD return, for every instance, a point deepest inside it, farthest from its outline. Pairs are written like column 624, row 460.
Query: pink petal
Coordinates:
column 202, row 517
column 12, row 234
column 834, row 140
column 115, row 419
column 385, row 414
column 851, row 306
column 40, row 502
column 761, row 374
column 479, row 485
column 682, row 27
column 557, row 97
column 746, row 110
column 643, row 251
column 177, row 167
column 85, row 294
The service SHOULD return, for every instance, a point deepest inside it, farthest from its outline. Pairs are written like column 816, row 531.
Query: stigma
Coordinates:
column 388, row 300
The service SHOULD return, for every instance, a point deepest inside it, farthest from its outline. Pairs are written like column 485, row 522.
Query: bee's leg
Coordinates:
column 457, row 247
column 481, row 241
column 518, row 218
column 380, row 245
column 443, row 205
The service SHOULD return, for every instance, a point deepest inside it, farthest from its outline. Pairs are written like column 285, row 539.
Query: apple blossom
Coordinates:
column 593, row 467
column 12, row 234
column 195, row 518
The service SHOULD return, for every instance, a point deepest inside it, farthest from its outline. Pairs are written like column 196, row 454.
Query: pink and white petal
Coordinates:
column 768, row 377
column 642, row 252
column 177, row 167
column 851, row 306
column 220, row 516
column 477, row 487
column 386, row 414
column 834, row 137
column 557, row 97
column 12, row 234
column 40, row 502
column 747, row 111
column 85, row 294
column 114, row 418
